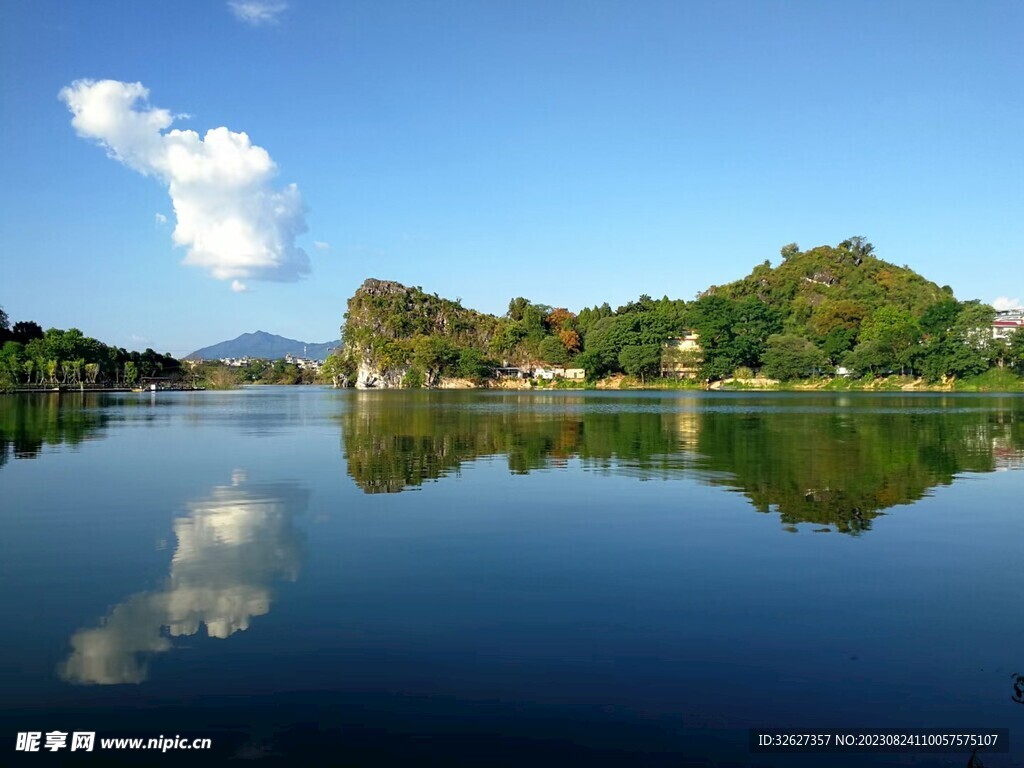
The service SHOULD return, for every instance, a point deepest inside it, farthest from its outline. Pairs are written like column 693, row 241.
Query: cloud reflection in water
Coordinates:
column 231, row 547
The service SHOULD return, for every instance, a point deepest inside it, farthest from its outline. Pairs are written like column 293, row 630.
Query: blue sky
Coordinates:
column 570, row 152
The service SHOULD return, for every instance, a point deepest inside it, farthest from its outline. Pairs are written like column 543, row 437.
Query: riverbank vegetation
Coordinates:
column 213, row 374
column 31, row 358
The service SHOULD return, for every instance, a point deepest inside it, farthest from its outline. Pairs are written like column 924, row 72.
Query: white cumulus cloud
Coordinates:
column 320, row 245
column 258, row 12
column 232, row 220
column 1003, row 303
column 238, row 286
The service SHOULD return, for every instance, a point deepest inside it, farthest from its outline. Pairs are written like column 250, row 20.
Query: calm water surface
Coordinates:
column 452, row 578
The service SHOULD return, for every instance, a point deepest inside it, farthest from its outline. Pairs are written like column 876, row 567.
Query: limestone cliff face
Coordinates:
column 398, row 336
column 370, row 376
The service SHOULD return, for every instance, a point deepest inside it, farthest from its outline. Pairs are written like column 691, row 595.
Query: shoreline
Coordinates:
column 1006, row 384
column 1000, row 384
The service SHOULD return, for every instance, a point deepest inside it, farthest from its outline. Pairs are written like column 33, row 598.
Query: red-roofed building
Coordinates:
column 1007, row 322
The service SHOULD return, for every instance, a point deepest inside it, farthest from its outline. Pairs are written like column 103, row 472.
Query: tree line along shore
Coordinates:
column 831, row 317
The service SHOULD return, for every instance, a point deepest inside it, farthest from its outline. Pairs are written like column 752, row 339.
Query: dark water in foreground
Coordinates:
column 320, row 577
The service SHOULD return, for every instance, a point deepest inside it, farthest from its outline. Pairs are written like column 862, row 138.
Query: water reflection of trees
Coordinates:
column 393, row 445
column 231, row 547
column 816, row 463
column 844, row 469
column 29, row 422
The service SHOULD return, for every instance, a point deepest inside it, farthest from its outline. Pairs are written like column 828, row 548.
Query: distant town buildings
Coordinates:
column 304, row 363
column 237, row 362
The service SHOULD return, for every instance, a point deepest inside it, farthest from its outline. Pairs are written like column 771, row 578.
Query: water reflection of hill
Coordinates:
column 820, row 461
column 393, row 444
column 844, row 469
column 231, row 547
column 27, row 423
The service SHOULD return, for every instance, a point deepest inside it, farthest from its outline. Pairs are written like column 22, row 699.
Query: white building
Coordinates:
column 1007, row 322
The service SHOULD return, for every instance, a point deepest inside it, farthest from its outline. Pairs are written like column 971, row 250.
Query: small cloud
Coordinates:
column 137, row 339
column 1003, row 303
column 161, row 219
column 258, row 12
column 238, row 286
column 320, row 245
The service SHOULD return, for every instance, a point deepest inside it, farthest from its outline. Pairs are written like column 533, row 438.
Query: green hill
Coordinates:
column 398, row 336
column 819, row 310
column 809, row 286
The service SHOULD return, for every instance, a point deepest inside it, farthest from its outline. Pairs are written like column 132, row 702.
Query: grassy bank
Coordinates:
column 995, row 380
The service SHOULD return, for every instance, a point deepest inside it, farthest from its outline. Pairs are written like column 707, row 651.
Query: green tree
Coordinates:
column 935, row 360
column 339, row 369
column 755, row 323
column 435, row 356
column 516, row 308
column 601, row 348
column 642, row 360
column 858, row 246
column 835, row 324
column 12, row 356
column 551, row 350
column 938, row 318
column 732, row 333
column 473, row 365
column 958, row 340
column 131, row 373
column 26, row 331
column 972, row 332
column 838, row 342
column 713, row 317
column 894, row 333
column 1015, row 352
column 791, row 357
column 867, row 357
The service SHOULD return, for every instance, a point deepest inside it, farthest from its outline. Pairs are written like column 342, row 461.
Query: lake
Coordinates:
column 314, row 576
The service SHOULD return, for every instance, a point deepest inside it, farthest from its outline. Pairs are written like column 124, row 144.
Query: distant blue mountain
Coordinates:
column 264, row 345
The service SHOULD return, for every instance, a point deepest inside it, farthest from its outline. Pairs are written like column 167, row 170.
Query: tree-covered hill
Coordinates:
column 819, row 310
column 820, row 305
column 400, row 336
column 806, row 286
